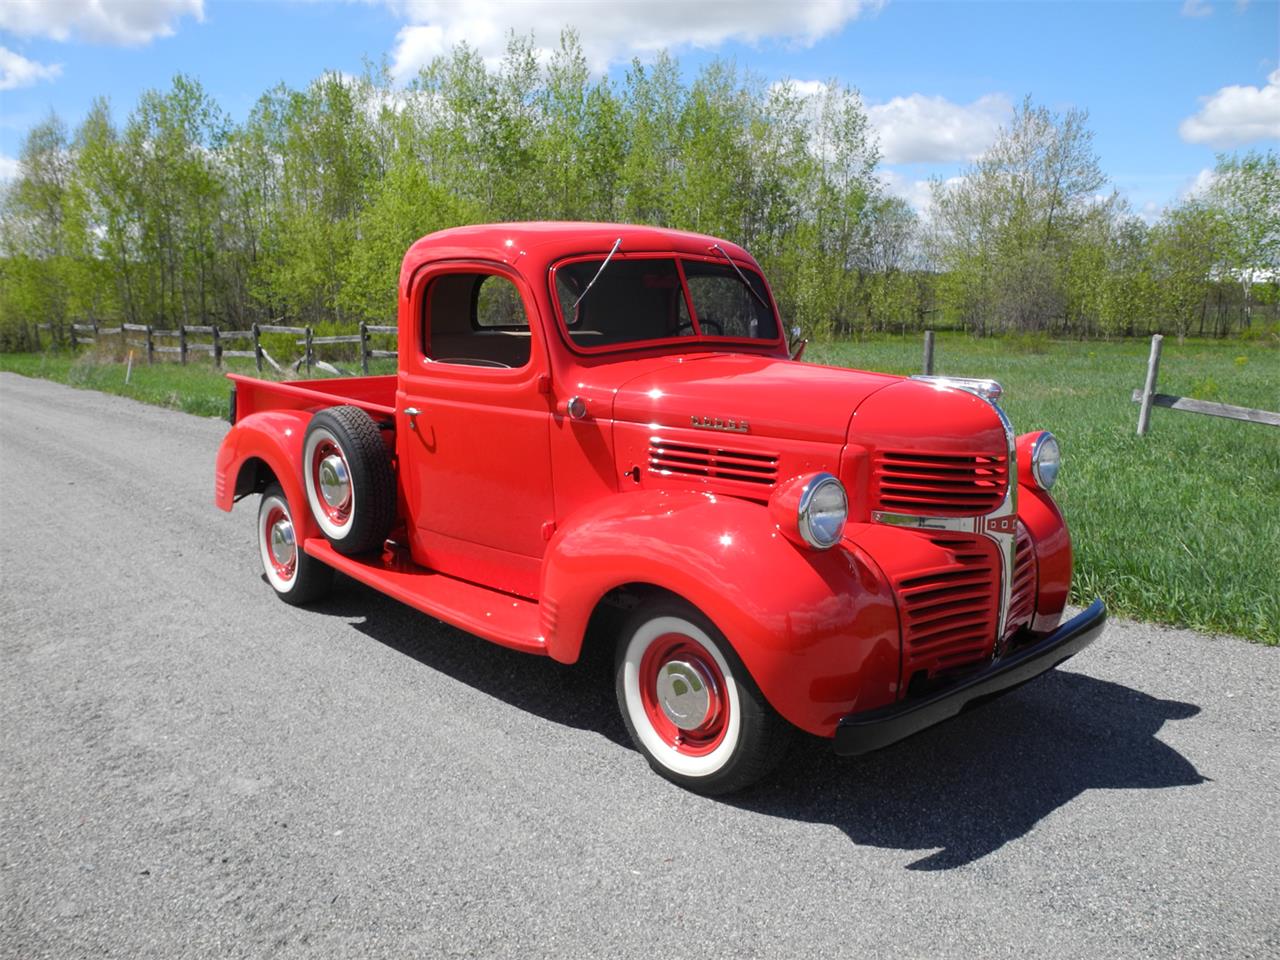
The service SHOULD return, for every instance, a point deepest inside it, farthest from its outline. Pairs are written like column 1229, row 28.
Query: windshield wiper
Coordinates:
column 587, row 289
column 743, row 277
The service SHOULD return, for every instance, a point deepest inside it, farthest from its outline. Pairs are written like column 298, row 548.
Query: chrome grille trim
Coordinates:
column 999, row 525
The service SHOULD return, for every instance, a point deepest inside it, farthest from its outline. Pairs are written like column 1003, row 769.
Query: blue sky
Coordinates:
column 1167, row 85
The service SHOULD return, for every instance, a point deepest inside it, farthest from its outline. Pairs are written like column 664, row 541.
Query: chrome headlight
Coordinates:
column 1046, row 460
column 822, row 512
column 810, row 510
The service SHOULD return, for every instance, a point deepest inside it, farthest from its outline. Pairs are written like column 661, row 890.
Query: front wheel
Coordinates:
column 296, row 577
column 689, row 704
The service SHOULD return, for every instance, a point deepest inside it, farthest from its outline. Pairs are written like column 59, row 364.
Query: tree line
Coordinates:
column 302, row 212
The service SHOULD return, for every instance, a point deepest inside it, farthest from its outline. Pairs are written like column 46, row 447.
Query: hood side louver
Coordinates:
column 713, row 463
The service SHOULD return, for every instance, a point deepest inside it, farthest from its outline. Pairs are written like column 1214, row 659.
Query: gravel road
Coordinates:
column 192, row 768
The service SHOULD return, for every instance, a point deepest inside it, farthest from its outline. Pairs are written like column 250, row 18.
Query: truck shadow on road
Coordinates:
column 963, row 789
column 967, row 787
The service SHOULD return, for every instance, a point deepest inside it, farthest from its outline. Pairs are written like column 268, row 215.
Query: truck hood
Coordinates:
column 775, row 397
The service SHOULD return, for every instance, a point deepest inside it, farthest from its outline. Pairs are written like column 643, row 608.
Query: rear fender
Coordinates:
column 817, row 631
column 275, row 438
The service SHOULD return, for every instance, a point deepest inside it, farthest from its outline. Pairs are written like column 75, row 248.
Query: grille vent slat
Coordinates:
column 949, row 612
column 713, row 463
column 945, row 484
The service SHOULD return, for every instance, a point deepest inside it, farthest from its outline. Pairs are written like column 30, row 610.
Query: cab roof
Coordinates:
column 534, row 246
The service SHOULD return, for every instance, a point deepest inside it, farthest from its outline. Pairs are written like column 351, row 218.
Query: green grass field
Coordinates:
column 1181, row 526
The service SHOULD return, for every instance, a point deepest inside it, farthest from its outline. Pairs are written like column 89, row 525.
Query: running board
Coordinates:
column 504, row 619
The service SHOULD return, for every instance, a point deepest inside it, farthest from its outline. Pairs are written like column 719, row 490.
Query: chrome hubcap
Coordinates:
column 335, row 481
column 683, row 694
column 283, row 545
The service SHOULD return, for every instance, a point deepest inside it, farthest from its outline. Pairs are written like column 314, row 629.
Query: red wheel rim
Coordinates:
column 676, row 648
column 337, row 514
column 284, row 570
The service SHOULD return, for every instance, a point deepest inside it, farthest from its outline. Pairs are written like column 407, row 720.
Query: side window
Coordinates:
column 476, row 319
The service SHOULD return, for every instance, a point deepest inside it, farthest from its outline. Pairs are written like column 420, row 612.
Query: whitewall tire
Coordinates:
column 689, row 704
column 296, row 577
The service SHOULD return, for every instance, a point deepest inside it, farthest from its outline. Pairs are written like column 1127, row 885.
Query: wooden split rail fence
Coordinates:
column 224, row 343
column 1146, row 398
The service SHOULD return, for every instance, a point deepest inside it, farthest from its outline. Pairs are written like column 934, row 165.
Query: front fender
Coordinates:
column 274, row 437
column 818, row 631
column 1039, row 511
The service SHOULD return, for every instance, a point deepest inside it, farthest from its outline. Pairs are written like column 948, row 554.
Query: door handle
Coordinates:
column 412, row 413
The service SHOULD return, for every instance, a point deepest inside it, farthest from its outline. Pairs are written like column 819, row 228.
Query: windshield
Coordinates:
column 642, row 299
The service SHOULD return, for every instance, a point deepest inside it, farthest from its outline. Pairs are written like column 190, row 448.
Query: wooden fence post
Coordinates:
column 257, row 346
column 35, row 335
column 74, row 342
column 217, row 347
column 1149, row 390
column 364, row 347
column 182, row 344
column 308, row 349
column 928, row 353
column 151, row 344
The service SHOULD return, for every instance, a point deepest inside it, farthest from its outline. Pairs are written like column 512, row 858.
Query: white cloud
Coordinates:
column 124, row 22
column 1196, row 8
column 1236, row 115
column 918, row 193
column 610, row 31
column 1199, row 184
column 803, row 88
column 922, row 129
column 17, row 71
column 8, row 168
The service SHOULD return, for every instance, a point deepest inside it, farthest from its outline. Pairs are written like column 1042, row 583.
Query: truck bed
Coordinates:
column 375, row 395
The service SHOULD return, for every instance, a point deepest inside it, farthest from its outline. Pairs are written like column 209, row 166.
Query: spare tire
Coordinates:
column 348, row 479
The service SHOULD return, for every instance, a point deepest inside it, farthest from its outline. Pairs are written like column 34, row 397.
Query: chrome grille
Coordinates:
column 954, row 485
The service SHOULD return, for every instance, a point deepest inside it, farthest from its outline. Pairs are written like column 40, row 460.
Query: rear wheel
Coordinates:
column 296, row 577
column 689, row 704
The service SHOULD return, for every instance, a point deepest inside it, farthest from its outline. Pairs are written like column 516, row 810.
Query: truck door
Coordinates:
column 475, row 457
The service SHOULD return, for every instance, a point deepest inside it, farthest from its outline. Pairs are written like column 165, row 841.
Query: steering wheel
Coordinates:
column 704, row 324
column 474, row 362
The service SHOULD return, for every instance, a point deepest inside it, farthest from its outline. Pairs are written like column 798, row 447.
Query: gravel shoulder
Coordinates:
column 189, row 767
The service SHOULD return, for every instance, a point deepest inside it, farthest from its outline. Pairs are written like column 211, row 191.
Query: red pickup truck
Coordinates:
column 599, row 434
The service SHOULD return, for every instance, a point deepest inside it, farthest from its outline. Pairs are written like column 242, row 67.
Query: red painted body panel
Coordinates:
column 1040, row 513
column 375, row 395
column 273, row 437
column 817, row 630
column 509, row 621
column 519, row 519
column 747, row 388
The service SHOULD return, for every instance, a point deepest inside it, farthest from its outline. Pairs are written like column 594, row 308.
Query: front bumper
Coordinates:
column 864, row 732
